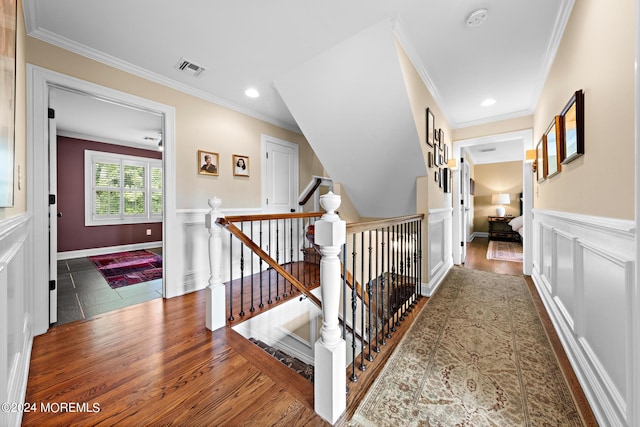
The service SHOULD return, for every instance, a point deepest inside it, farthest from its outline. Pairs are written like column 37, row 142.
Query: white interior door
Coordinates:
column 53, row 220
column 280, row 175
column 464, row 207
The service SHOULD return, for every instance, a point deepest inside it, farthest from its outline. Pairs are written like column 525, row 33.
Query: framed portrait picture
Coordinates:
column 240, row 165
column 573, row 128
column 208, row 163
column 8, row 20
column 541, row 170
column 431, row 125
column 552, row 141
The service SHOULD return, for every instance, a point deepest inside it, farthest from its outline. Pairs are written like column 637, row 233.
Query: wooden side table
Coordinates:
column 499, row 229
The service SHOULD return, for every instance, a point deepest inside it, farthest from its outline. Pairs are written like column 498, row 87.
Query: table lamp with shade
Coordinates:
column 500, row 199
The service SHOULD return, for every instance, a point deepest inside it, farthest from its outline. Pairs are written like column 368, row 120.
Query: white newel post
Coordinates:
column 215, row 292
column 330, row 350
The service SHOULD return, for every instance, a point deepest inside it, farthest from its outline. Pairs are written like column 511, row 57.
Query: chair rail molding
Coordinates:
column 584, row 270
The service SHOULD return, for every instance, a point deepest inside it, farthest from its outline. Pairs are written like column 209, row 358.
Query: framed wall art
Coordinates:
column 8, row 20
column 540, row 163
column 208, row 163
column 553, row 141
column 240, row 165
column 431, row 125
column 573, row 128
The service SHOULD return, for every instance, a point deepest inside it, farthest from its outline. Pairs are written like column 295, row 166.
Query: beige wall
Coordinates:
column 20, row 165
column 199, row 125
column 496, row 178
column 596, row 55
column 420, row 98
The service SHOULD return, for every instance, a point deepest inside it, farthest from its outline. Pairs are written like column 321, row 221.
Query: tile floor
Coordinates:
column 84, row 293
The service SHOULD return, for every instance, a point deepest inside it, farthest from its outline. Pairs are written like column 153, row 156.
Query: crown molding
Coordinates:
column 48, row 37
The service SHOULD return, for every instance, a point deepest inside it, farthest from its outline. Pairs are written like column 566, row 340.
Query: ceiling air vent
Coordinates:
column 189, row 67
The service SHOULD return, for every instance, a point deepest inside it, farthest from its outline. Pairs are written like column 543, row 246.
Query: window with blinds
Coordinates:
column 121, row 189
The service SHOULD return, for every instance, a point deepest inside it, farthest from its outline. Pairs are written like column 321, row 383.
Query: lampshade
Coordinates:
column 530, row 155
column 500, row 199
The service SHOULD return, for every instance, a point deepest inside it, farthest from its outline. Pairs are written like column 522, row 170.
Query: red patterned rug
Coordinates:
column 128, row 268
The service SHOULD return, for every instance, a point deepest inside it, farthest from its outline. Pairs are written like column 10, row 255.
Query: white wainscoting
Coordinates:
column 439, row 241
column 192, row 238
column 16, row 314
column 583, row 268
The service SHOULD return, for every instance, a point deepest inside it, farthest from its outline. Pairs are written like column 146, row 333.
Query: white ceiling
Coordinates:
column 253, row 43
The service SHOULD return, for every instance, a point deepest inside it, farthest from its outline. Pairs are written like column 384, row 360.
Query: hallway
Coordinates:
column 179, row 372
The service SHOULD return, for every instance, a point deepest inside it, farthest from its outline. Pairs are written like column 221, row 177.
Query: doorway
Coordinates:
column 106, row 256
column 39, row 83
column 520, row 141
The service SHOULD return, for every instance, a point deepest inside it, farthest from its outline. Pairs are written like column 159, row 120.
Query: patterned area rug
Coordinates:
column 127, row 268
column 477, row 355
column 504, row 251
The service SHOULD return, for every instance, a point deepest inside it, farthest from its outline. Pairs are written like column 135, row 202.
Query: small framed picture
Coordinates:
column 553, row 141
column 431, row 124
column 207, row 163
column 541, row 169
column 240, row 165
column 573, row 128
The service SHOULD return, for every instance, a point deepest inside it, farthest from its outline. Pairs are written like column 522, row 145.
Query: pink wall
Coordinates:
column 72, row 233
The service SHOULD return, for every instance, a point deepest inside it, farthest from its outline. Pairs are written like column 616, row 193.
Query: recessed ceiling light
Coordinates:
column 252, row 93
column 477, row 17
column 488, row 102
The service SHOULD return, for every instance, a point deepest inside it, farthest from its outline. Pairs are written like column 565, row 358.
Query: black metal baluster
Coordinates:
column 394, row 279
column 253, row 308
column 291, row 252
column 370, row 294
column 270, row 300
column 344, row 290
column 354, row 307
column 377, row 312
column 420, row 256
column 231, row 277
column 383, row 280
column 362, row 316
column 260, row 268
column 402, row 280
column 242, row 273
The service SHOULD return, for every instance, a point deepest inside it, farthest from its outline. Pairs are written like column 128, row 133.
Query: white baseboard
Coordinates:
column 107, row 250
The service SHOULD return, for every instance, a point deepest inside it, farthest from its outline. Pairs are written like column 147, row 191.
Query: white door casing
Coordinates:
column 39, row 81
column 53, row 220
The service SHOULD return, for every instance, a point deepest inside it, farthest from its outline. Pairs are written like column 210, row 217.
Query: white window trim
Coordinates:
column 90, row 157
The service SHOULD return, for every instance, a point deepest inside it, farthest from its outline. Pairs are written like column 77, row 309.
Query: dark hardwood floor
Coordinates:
column 155, row 363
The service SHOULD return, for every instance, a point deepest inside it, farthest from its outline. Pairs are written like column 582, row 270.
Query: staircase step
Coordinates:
column 291, row 362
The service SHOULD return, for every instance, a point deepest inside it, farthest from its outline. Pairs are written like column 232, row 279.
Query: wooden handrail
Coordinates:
column 310, row 192
column 357, row 227
column 224, row 222
column 266, row 217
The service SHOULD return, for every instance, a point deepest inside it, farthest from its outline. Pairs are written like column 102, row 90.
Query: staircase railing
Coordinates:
column 366, row 292
column 275, row 223
column 385, row 256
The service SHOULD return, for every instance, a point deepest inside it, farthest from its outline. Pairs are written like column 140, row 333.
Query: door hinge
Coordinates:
column 52, row 285
column 51, row 113
column 52, row 199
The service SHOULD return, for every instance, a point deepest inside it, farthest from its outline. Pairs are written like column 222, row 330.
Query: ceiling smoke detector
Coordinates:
column 477, row 17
